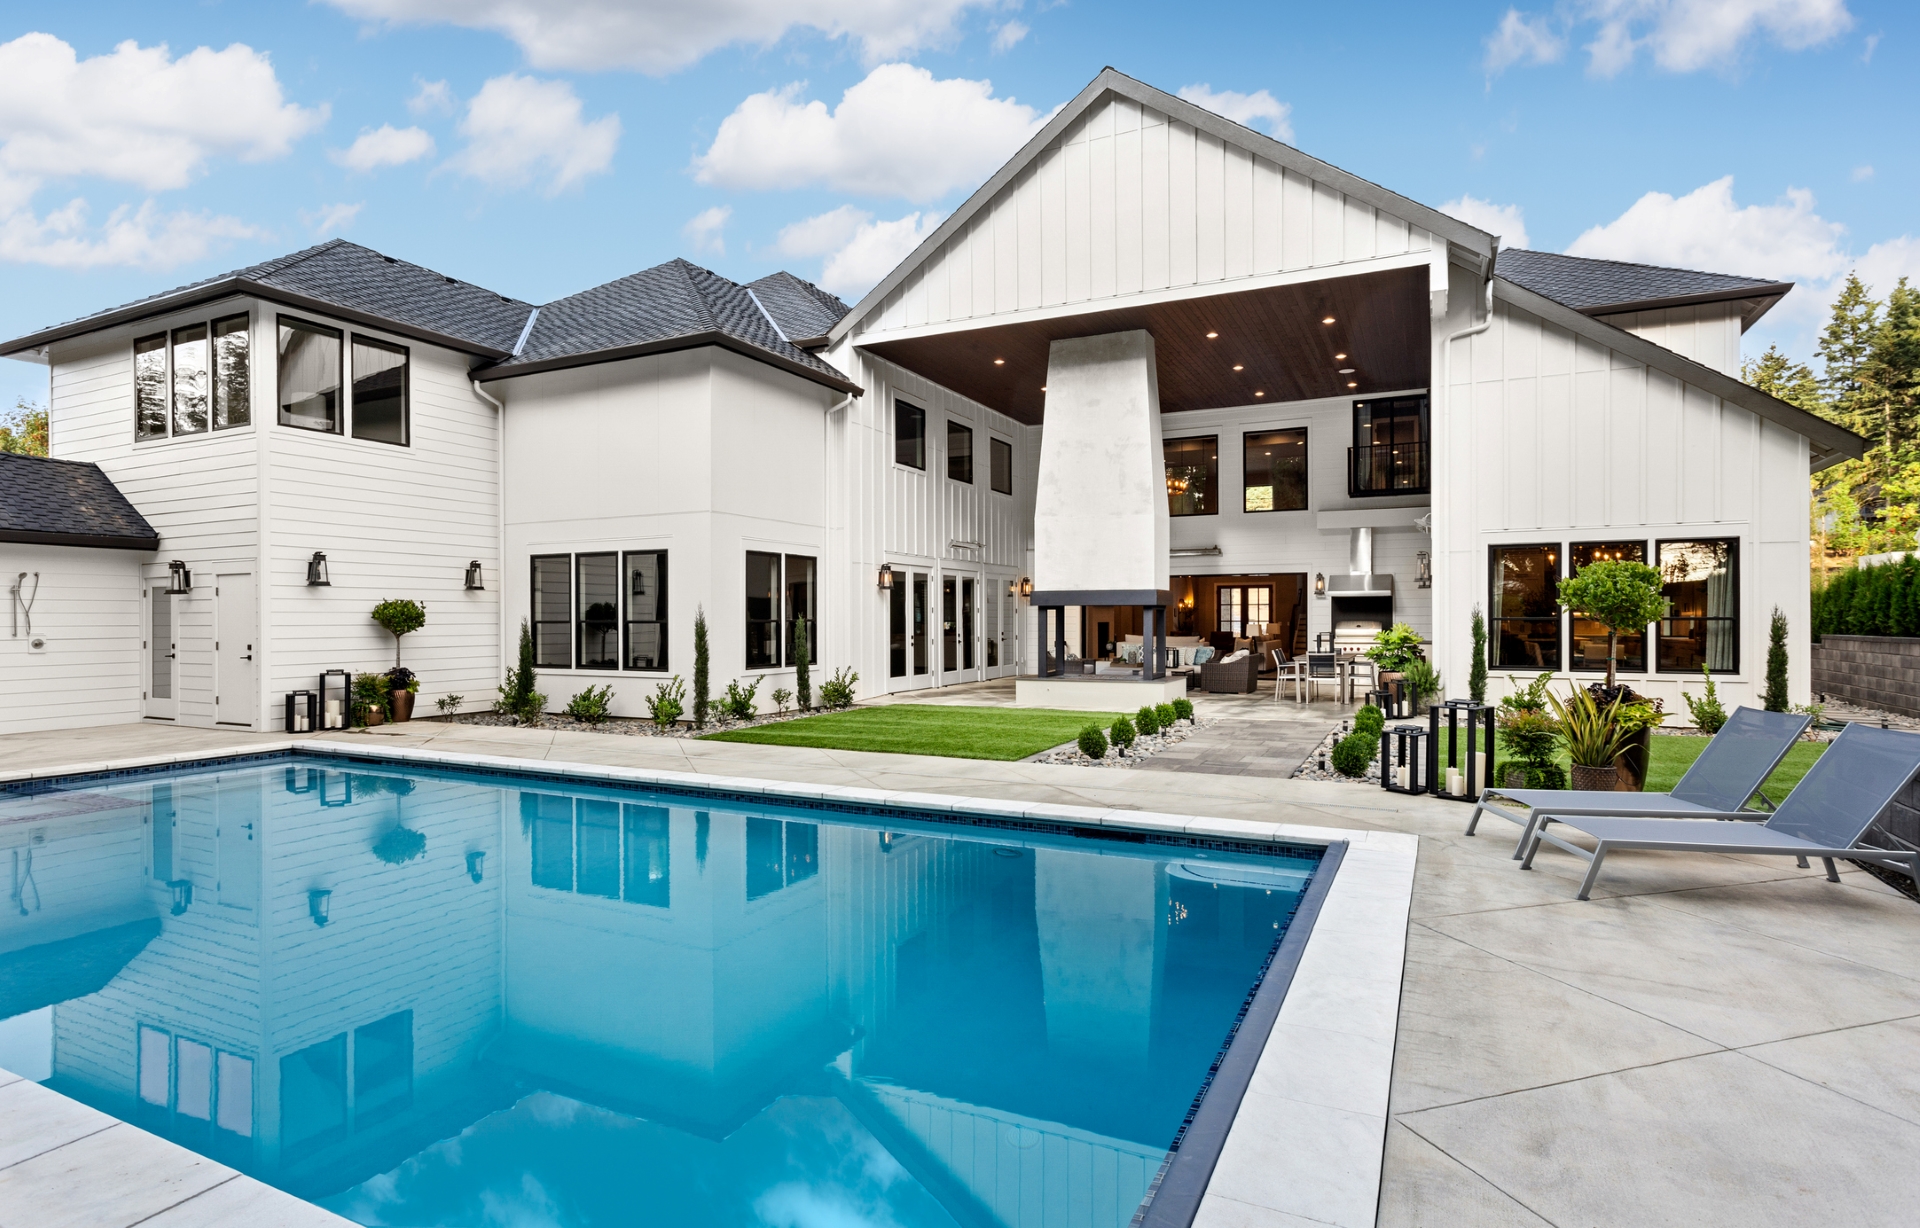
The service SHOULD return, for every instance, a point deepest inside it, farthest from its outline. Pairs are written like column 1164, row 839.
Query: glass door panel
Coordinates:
column 162, row 652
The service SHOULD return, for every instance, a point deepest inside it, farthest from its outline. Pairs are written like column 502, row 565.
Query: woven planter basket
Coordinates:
column 1600, row 779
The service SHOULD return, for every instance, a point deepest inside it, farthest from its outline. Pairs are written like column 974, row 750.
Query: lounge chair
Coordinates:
column 1729, row 771
column 1825, row 815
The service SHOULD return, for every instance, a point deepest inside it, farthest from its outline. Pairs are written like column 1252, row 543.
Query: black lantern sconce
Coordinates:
column 475, row 584
column 476, row 865
column 317, row 571
column 1319, row 584
column 1013, row 588
column 1026, row 586
column 179, row 579
column 182, row 895
column 886, row 576
column 1423, row 569
column 319, row 900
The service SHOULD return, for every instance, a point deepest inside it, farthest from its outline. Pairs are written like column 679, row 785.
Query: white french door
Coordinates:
column 161, row 648
column 1002, row 647
column 235, row 628
column 959, row 612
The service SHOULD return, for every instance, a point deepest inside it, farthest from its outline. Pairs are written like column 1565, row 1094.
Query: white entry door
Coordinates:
column 1002, row 640
column 235, row 626
column 162, row 651
column 237, row 843
column 959, row 628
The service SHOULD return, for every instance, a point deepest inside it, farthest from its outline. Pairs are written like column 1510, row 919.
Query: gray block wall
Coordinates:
column 1874, row 671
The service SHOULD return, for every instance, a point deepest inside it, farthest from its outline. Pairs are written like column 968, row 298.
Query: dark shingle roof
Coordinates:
column 803, row 310
column 67, row 503
column 1596, row 287
column 676, row 305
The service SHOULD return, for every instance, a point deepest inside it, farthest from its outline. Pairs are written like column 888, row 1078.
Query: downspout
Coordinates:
column 499, row 510
column 1446, row 377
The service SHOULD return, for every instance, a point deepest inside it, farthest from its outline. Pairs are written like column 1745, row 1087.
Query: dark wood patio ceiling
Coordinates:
column 1275, row 335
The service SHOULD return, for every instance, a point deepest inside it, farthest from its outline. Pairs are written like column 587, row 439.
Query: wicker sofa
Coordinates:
column 1230, row 677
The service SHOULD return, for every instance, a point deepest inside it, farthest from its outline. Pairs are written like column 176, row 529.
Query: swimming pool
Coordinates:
column 423, row 995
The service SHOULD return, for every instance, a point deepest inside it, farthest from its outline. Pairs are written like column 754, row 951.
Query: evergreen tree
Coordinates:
column 802, row 683
column 1775, row 699
column 700, row 695
column 1845, row 346
column 1477, row 676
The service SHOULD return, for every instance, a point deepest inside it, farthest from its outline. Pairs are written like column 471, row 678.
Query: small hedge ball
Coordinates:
column 1183, row 708
column 1352, row 754
column 1165, row 714
column 1122, row 733
column 1369, row 720
column 1146, row 721
column 1093, row 743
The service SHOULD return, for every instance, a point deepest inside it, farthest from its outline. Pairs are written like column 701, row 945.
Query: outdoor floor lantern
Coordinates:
column 475, row 583
column 303, row 712
column 317, row 571
column 336, row 701
column 1463, row 773
column 1406, row 759
column 182, row 895
column 319, row 901
column 179, row 579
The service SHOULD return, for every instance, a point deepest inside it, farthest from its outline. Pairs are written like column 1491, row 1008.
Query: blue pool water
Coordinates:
column 539, row 1002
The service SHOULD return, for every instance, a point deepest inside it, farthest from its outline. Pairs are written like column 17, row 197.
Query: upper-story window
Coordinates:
column 309, row 371
column 1390, row 449
column 192, row 379
column 1193, row 476
column 379, row 390
column 960, row 452
column 311, row 392
column 1275, row 470
column 909, row 435
column 1000, row 476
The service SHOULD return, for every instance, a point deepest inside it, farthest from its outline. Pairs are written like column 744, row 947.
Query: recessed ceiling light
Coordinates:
column 1327, row 320
column 1043, row 387
column 1346, row 370
column 999, row 362
column 1351, row 384
column 1239, row 367
column 1211, row 336
column 1340, row 358
column 1258, row 393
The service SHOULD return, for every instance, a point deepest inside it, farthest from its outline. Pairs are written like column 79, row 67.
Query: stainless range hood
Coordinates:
column 1361, row 580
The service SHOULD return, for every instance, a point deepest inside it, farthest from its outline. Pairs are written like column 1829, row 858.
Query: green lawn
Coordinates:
column 927, row 729
column 1672, row 756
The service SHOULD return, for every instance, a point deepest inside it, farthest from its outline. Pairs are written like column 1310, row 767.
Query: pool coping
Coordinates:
column 1304, row 1137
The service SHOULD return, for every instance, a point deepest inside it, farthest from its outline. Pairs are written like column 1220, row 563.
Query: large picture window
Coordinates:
column 1390, row 451
column 1587, row 649
column 909, row 435
column 379, row 391
column 960, row 452
column 646, row 585
column 309, row 376
column 232, row 375
column 1276, row 470
column 1701, row 581
column 614, row 850
column 553, row 611
column 190, row 399
column 597, row 634
column 150, row 387
column 1000, row 475
column 1525, row 607
column 1193, row 476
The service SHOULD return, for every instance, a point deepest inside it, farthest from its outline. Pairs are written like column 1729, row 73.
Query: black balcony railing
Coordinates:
column 1387, row 469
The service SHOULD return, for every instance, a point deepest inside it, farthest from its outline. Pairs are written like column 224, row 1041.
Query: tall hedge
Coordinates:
column 1879, row 600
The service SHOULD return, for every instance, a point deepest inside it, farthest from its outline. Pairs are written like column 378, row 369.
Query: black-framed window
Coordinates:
column 232, row 372
column 597, row 632
column 1390, row 447
column 763, row 610
column 803, row 601
column 191, row 411
column 1701, row 580
column 553, row 611
column 308, row 370
column 1524, row 607
column 313, row 1096
column 1000, row 466
column 1275, row 470
column 382, row 1068
column 1587, row 639
column 1193, row 475
column 613, row 850
column 380, row 410
column 909, row 435
column 192, row 379
column 646, row 585
column 150, row 387
column 960, row 452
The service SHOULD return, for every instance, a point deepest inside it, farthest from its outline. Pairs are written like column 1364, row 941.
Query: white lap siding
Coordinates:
column 86, row 612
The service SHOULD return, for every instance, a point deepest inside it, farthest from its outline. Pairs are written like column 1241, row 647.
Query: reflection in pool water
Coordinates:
column 631, row 1007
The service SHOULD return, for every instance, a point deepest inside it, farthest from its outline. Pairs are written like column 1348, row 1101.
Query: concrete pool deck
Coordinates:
column 1711, row 1040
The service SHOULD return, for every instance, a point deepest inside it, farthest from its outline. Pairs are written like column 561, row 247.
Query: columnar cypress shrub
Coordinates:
column 1775, row 698
column 802, row 684
column 700, row 695
column 1477, row 676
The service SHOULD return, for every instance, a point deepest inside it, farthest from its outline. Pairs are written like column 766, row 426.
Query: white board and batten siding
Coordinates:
column 1548, row 437
column 1708, row 333
column 1128, row 202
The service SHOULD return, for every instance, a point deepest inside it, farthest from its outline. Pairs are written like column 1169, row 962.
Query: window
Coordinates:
column 960, row 453
column 309, row 376
column 1193, row 476
column 1525, row 607
column 613, row 850
column 1000, row 475
column 1276, row 470
column 919, row 624
column 382, row 1068
column 597, row 845
column 1701, row 580
column 763, row 610
column 802, row 599
column 897, row 628
column 186, row 1086
column 379, row 391
column 597, row 634
column 909, row 435
column 649, row 856
column 150, row 387
column 190, row 380
column 1587, row 646
column 313, row 1095
column 552, row 611
column 1389, row 454
column 232, row 382
column 646, row 609
column 779, row 855
column 160, row 810
column 1243, row 609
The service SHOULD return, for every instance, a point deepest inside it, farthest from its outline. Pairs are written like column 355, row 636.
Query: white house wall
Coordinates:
column 86, row 612
column 1708, row 333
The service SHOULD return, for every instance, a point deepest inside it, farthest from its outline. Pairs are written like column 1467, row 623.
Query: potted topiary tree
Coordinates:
column 1619, row 595
column 401, row 616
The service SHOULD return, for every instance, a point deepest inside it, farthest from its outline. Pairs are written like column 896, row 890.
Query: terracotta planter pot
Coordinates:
column 1600, row 779
column 402, row 703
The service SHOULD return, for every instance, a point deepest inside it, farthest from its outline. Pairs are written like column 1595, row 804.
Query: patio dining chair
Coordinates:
column 1323, row 669
column 1730, row 770
column 1287, row 669
column 1845, row 791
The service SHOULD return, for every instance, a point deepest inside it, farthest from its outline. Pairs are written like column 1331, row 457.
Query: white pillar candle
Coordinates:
column 1457, row 784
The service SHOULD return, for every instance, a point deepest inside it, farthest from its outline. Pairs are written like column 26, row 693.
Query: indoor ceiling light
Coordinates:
column 1327, row 320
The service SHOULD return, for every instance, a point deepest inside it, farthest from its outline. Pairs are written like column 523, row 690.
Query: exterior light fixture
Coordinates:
column 1340, row 358
column 1013, row 588
column 1026, row 586
column 475, row 582
column 1327, row 320
column 1346, row 370
column 999, row 362
column 1319, row 584
column 1259, row 392
column 318, row 901
column 1211, row 336
column 1423, row 569
column 1239, row 366
column 317, row 571
column 179, row 579
column 1351, row 384
column 182, row 895
column 886, row 576
column 476, row 862
column 1043, row 387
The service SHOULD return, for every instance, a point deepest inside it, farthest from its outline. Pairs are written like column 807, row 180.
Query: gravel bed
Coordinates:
column 1311, row 769
column 1144, row 747
column 634, row 727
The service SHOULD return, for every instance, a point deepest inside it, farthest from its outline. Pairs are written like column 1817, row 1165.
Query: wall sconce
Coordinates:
column 1423, row 569
column 182, row 895
column 318, row 901
column 1319, row 584
column 317, row 571
column 179, row 579
column 474, row 582
column 886, row 576
column 1026, row 586
column 476, row 862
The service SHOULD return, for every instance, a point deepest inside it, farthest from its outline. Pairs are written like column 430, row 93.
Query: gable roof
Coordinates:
column 1607, row 287
column 67, row 503
column 804, row 312
column 673, row 306
column 1478, row 243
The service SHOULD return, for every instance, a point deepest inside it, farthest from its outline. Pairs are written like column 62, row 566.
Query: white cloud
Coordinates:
column 661, row 37
column 1244, row 108
column 330, row 218
column 143, row 238
column 1863, row 172
column 899, row 132
column 384, row 146
column 872, row 250
column 1706, row 229
column 704, row 231
column 519, row 129
column 1679, row 35
column 821, row 233
column 1507, row 221
column 1007, row 34
column 432, row 98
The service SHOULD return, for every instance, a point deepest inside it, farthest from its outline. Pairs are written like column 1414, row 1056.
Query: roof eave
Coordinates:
column 1767, row 294
column 101, row 541
column 670, row 345
column 1828, row 444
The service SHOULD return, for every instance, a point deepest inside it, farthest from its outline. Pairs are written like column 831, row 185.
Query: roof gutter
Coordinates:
column 27, row 537
column 669, row 345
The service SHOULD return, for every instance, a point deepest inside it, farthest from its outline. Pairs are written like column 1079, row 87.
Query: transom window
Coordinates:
column 1193, row 476
column 192, row 379
column 1276, row 470
column 601, row 609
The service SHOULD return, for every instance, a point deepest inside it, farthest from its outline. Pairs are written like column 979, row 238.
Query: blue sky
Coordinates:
column 541, row 146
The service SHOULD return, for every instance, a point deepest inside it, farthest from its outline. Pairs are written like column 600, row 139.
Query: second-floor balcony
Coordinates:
column 1387, row 469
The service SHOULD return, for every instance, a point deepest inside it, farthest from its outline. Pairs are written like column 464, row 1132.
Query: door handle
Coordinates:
column 170, row 655
column 248, row 657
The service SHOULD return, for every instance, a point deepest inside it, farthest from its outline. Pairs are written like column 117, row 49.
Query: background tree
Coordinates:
column 24, row 430
column 1619, row 595
column 701, row 698
column 1775, row 698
